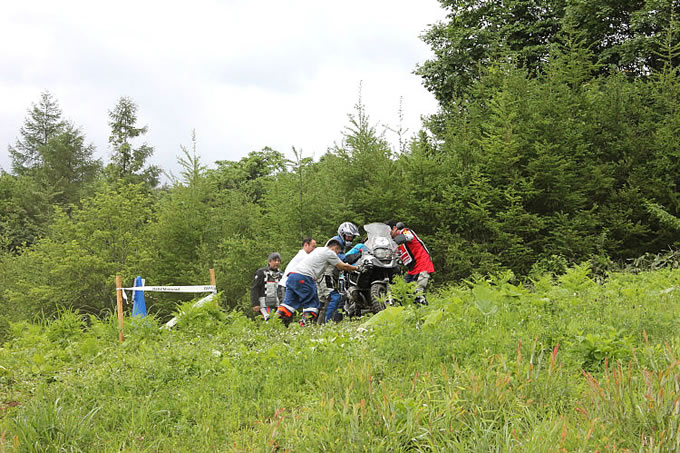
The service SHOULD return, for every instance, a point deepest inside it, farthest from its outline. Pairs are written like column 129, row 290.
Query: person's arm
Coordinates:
column 352, row 258
column 354, row 254
column 404, row 236
column 346, row 267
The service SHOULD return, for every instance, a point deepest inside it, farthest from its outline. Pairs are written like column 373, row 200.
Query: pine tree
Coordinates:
column 127, row 162
column 43, row 123
column 68, row 165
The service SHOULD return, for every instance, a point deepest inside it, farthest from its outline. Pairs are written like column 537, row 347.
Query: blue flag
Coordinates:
column 138, row 305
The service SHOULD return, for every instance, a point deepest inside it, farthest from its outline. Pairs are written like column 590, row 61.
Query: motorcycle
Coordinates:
column 367, row 289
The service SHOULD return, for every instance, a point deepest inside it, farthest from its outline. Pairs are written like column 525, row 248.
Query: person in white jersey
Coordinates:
column 308, row 244
column 301, row 292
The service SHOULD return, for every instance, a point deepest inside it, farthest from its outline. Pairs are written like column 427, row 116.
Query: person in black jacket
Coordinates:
column 265, row 292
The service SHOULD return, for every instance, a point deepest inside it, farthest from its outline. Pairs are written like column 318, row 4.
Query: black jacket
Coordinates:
column 257, row 289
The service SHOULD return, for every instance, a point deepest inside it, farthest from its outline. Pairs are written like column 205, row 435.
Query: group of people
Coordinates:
column 310, row 279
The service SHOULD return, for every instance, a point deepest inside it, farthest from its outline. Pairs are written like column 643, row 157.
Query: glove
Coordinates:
column 264, row 312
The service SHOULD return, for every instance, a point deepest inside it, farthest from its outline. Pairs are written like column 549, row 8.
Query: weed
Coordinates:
column 45, row 426
column 568, row 364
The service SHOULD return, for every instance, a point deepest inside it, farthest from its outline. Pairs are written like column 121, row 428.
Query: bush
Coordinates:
column 5, row 330
column 66, row 328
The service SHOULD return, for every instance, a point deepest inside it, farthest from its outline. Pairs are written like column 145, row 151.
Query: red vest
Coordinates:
column 415, row 255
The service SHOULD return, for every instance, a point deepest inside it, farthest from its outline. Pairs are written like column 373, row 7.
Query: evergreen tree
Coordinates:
column 68, row 165
column 367, row 172
column 43, row 123
column 24, row 211
column 184, row 219
column 127, row 162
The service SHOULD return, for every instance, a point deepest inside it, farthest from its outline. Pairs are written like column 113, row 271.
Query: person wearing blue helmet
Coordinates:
column 328, row 284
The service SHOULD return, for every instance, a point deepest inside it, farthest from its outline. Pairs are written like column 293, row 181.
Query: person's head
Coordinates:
column 308, row 244
column 395, row 227
column 274, row 260
column 348, row 231
column 334, row 245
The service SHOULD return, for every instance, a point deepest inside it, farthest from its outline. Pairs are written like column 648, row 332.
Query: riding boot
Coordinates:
column 308, row 318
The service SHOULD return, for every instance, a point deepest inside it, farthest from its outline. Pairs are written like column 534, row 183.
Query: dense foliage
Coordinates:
column 631, row 36
column 565, row 166
column 553, row 162
column 557, row 142
column 488, row 366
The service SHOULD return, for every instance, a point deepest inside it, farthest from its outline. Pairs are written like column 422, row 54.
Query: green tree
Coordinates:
column 622, row 34
column 75, row 264
column 44, row 122
column 367, row 172
column 128, row 162
column 185, row 216
column 251, row 175
column 24, row 211
column 69, row 167
column 564, row 162
column 296, row 205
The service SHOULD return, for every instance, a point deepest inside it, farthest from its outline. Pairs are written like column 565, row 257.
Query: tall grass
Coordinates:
column 567, row 365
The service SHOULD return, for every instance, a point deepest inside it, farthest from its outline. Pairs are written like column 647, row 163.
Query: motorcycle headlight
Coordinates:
column 382, row 242
column 382, row 254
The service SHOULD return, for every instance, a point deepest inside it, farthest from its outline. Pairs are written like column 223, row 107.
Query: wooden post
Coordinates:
column 213, row 282
column 119, row 297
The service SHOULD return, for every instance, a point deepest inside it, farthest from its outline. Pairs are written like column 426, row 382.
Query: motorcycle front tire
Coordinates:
column 378, row 296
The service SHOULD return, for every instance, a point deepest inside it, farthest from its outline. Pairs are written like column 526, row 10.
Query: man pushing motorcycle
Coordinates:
column 415, row 256
column 328, row 283
column 301, row 290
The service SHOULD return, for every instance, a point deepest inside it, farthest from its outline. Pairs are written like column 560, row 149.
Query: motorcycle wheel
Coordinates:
column 378, row 296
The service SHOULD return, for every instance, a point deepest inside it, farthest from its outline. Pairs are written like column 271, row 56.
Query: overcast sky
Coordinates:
column 244, row 74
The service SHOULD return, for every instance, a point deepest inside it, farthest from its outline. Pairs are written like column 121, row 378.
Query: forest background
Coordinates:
column 557, row 141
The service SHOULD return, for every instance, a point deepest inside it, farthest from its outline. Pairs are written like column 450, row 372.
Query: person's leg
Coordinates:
column 291, row 302
column 332, row 305
column 263, row 309
column 421, row 284
column 324, row 288
column 266, row 312
column 309, row 302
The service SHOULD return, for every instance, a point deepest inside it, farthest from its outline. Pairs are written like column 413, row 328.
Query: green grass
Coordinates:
column 489, row 366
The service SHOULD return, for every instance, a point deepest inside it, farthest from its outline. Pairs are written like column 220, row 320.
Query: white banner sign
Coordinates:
column 174, row 289
column 171, row 289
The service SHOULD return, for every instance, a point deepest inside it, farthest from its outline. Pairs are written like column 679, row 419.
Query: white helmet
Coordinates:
column 348, row 228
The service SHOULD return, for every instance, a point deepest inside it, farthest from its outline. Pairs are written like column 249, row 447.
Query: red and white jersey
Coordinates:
column 414, row 254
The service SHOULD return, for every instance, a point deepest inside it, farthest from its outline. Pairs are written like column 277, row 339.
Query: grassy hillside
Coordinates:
column 571, row 364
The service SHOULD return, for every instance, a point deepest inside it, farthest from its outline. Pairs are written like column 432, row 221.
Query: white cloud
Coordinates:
column 244, row 74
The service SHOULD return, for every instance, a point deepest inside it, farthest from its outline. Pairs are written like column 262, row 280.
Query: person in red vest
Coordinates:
column 415, row 256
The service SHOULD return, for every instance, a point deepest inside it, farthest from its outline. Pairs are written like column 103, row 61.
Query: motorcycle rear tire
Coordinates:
column 378, row 296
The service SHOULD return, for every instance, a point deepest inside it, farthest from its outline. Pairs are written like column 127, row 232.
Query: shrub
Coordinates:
column 66, row 328
column 5, row 330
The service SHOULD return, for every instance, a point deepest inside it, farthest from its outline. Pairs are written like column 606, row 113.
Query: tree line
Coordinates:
column 557, row 141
